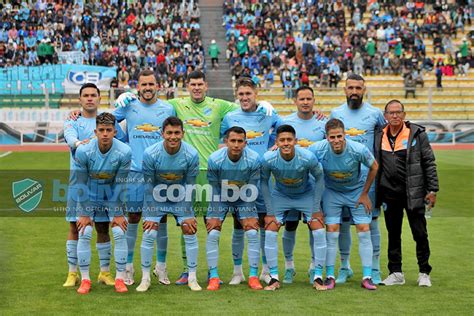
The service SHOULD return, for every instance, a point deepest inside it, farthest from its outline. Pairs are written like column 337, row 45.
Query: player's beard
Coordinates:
column 148, row 99
column 354, row 103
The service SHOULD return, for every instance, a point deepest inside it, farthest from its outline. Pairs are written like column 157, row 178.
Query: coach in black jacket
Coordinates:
column 407, row 179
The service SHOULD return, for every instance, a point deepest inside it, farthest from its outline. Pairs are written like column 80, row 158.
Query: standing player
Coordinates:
column 346, row 187
column 77, row 133
column 309, row 129
column 202, row 117
column 168, row 164
column 101, row 169
column 144, row 117
column 238, row 167
column 361, row 119
column 260, row 134
column 294, row 190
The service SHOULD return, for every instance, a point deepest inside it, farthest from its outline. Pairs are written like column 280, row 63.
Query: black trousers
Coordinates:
column 393, row 222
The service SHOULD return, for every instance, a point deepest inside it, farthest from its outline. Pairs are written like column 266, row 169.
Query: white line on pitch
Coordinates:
column 5, row 154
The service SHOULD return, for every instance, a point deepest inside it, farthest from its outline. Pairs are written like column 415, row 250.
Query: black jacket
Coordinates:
column 421, row 175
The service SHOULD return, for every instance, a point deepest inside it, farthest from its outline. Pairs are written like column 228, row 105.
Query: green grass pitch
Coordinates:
column 33, row 263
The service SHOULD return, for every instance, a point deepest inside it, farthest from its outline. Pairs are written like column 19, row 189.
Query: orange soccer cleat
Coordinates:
column 85, row 287
column 214, row 284
column 120, row 286
column 254, row 283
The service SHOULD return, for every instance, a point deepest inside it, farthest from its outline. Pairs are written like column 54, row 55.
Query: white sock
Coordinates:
column 145, row 273
column 119, row 275
column 290, row 264
column 238, row 269
column 161, row 265
column 85, row 275
column 192, row 276
column 129, row 266
column 105, row 269
column 264, row 268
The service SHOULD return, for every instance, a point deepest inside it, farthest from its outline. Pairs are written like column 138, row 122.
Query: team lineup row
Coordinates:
column 258, row 145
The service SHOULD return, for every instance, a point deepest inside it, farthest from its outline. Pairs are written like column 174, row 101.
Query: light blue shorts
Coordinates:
column 335, row 202
column 346, row 215
column 285, row 206
column 181, row 211
column 99, row 214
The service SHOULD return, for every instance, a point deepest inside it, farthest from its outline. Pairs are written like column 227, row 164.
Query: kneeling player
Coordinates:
column 346, row 188
column 294, row 190
column 168, row 165
column 101, row 167
column 238, row 167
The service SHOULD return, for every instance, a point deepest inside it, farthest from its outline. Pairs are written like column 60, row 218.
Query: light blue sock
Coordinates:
column 345, row 241
column 365, row 252
column 105, row 252
column 146, row 249
column 262, row 246
column 237, row 246
column 311, row 243
column 71, row 251
column 162, row 243
column 84, row 251
column 331, row 252
column 288, row 239
column 253, row 251
column 120, row 250
column 132, row 231
column 319, row 250
column 375, row 237
column 271, row 251
column 191, row 243
column 212, row 252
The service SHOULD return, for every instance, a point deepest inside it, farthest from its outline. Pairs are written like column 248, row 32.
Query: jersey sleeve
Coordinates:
column 224, row 126
column 213, row 173
column 255, row 172
column 193, row 169
column 149, row 183
column 120, row 113
column 366, row 157
column 380, row 119
column 121, row 135
column 116, row 205
column 81, row 188
column 277, row 122
column 70, row 133
column 227, row 107
column 265, row 177
column 316, row 171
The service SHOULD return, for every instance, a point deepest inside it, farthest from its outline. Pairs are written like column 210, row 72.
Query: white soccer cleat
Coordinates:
column 162, row 275
column 396, row 278
column 424, row 280
column 193, row 285
column 129, row 273
column 237, row 279
column 144, row 285
column 265, row 277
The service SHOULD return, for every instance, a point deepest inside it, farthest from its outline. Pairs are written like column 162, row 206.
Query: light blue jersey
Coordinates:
column 360, row 124
column 260, row 128
column 292, row 182
column 307, row 131
column 144, row 124
column 342, row 172
column 164, row 170
column 104, row 175
column 222, row 172
column 74, row 131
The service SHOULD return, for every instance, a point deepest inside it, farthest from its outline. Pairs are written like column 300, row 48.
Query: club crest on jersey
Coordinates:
column 254, row 134
column 147, row 128
column 207, row 111
column 197, row 123
column 27, row 194
column 355, row 132
column 303, row 142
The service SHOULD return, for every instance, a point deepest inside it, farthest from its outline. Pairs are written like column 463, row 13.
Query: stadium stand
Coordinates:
column 283, row 45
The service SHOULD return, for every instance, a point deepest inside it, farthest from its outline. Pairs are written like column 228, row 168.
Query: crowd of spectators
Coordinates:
column 130, row 35
column 300, row 39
